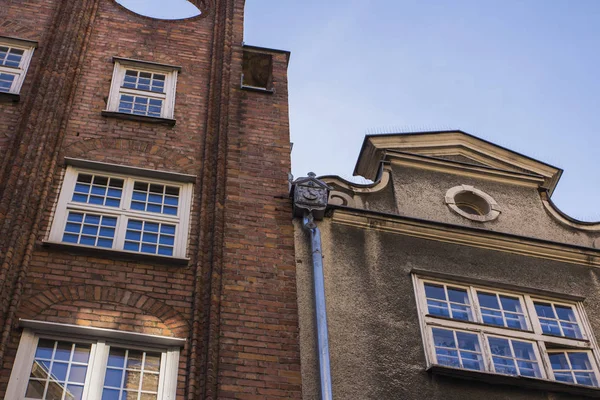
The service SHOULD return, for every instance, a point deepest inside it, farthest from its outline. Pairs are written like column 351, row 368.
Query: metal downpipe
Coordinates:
column 320, row 310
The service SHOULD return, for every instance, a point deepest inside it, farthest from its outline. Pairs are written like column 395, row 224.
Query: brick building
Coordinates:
column 146, row 250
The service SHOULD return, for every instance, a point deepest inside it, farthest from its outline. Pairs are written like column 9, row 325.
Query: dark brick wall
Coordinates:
column 235, row 302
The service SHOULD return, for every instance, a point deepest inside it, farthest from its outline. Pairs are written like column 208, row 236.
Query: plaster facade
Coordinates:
column 377, row 238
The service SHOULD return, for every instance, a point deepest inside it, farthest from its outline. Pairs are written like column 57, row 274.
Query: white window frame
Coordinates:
column 116, row 87
column 543, row 343
column 101, row 340
column 20, row 72
column 124, row 212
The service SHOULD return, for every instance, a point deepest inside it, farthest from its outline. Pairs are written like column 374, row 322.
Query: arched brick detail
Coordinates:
column 174, row 321
column 132, row 152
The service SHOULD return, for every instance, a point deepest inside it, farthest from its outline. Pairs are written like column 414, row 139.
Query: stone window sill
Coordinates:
column 119, row 254
column 518, row 381
column 140, row 118
column 258, row 89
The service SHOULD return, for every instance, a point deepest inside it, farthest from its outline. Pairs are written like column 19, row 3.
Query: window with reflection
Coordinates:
column 121, row 212
column 63, row 369
column 512, row 333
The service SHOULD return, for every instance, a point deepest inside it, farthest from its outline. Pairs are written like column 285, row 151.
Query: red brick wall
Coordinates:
column 235, row 301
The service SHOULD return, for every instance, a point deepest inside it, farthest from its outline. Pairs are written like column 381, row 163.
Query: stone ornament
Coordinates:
column 472, row 203
column 310, row 196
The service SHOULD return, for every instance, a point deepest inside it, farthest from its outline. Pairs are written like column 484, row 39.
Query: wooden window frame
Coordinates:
column 543, row 343
column 116, row 87
column 101, row 344
column 123, row 213
column 21, row 71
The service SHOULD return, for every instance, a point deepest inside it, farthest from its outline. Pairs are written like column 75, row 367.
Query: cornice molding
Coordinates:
column 468, row 237
column 458, row 168
column 376, row 148
column 564, row 219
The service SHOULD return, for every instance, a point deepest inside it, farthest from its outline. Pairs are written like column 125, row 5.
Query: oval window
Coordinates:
column 161, row 9
column 472, row 203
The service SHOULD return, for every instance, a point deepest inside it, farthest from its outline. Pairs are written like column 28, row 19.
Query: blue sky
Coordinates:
column 522, row 74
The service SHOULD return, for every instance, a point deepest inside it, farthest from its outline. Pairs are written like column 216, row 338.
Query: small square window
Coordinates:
column 143, row 89
column 121, row 212
column 15, row 56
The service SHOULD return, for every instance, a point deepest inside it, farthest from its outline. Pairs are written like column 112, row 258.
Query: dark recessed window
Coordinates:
column 257, row 70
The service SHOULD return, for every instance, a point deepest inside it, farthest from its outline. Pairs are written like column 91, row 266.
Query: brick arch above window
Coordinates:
column 171, row 318
column 120, row 151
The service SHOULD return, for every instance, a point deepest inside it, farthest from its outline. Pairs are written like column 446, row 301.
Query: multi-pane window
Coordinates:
column 15, row 56
column 128, row 213
column 58, row 370
column 502, row 310
column 557, row 319
column 457, row 349
column 509, row 333
column 131, row 374
column 574, row 367
column 51, row 368
column 448, row 301
column 514, row 357
column 143, row 89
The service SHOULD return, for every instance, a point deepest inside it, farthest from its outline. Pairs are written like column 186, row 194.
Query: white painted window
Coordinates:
column 143, row 89
column 511, row 333
column 122, row 212
column 55, row 366
column 15, row 56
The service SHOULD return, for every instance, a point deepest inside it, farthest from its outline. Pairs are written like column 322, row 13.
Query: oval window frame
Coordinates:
column 493, row 207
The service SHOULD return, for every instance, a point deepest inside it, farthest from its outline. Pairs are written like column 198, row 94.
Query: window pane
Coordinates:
column 565, row 313
column 586, row 378
column 500, row 347
column 434, row 291
column 90, row 229
column 443, row 338
column 510, row 304
column 6, row 81
column 580, row 361
column 558, row 361
column 68, row 365
column 544, row 310
column 488, row 300
column 132, row 373
column 458, row 295
column 573, row 367
column 97, row 189
column 523, row 350
column 561, row 323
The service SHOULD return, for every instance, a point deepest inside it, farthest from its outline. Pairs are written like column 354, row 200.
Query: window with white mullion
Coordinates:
column 457, row 349
column 15, row 56
column 558, row 319
column 448, row 301
column 502, row 309
column 144, row 90
column 126, row 213
column 514, row 357
column 573, row 366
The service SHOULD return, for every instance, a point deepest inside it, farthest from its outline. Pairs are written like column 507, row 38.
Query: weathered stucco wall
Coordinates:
column 420, row 194
column 375, row 339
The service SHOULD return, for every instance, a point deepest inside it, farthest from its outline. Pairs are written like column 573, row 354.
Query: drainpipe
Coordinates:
column 310, row 201
column 320, row 310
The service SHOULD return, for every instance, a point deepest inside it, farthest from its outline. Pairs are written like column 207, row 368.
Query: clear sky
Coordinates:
column 523, row 74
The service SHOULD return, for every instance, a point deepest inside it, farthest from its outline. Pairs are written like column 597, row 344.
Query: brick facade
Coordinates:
column 235, row 301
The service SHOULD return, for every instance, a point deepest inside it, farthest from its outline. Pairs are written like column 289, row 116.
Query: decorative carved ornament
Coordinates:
column 310, row 196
